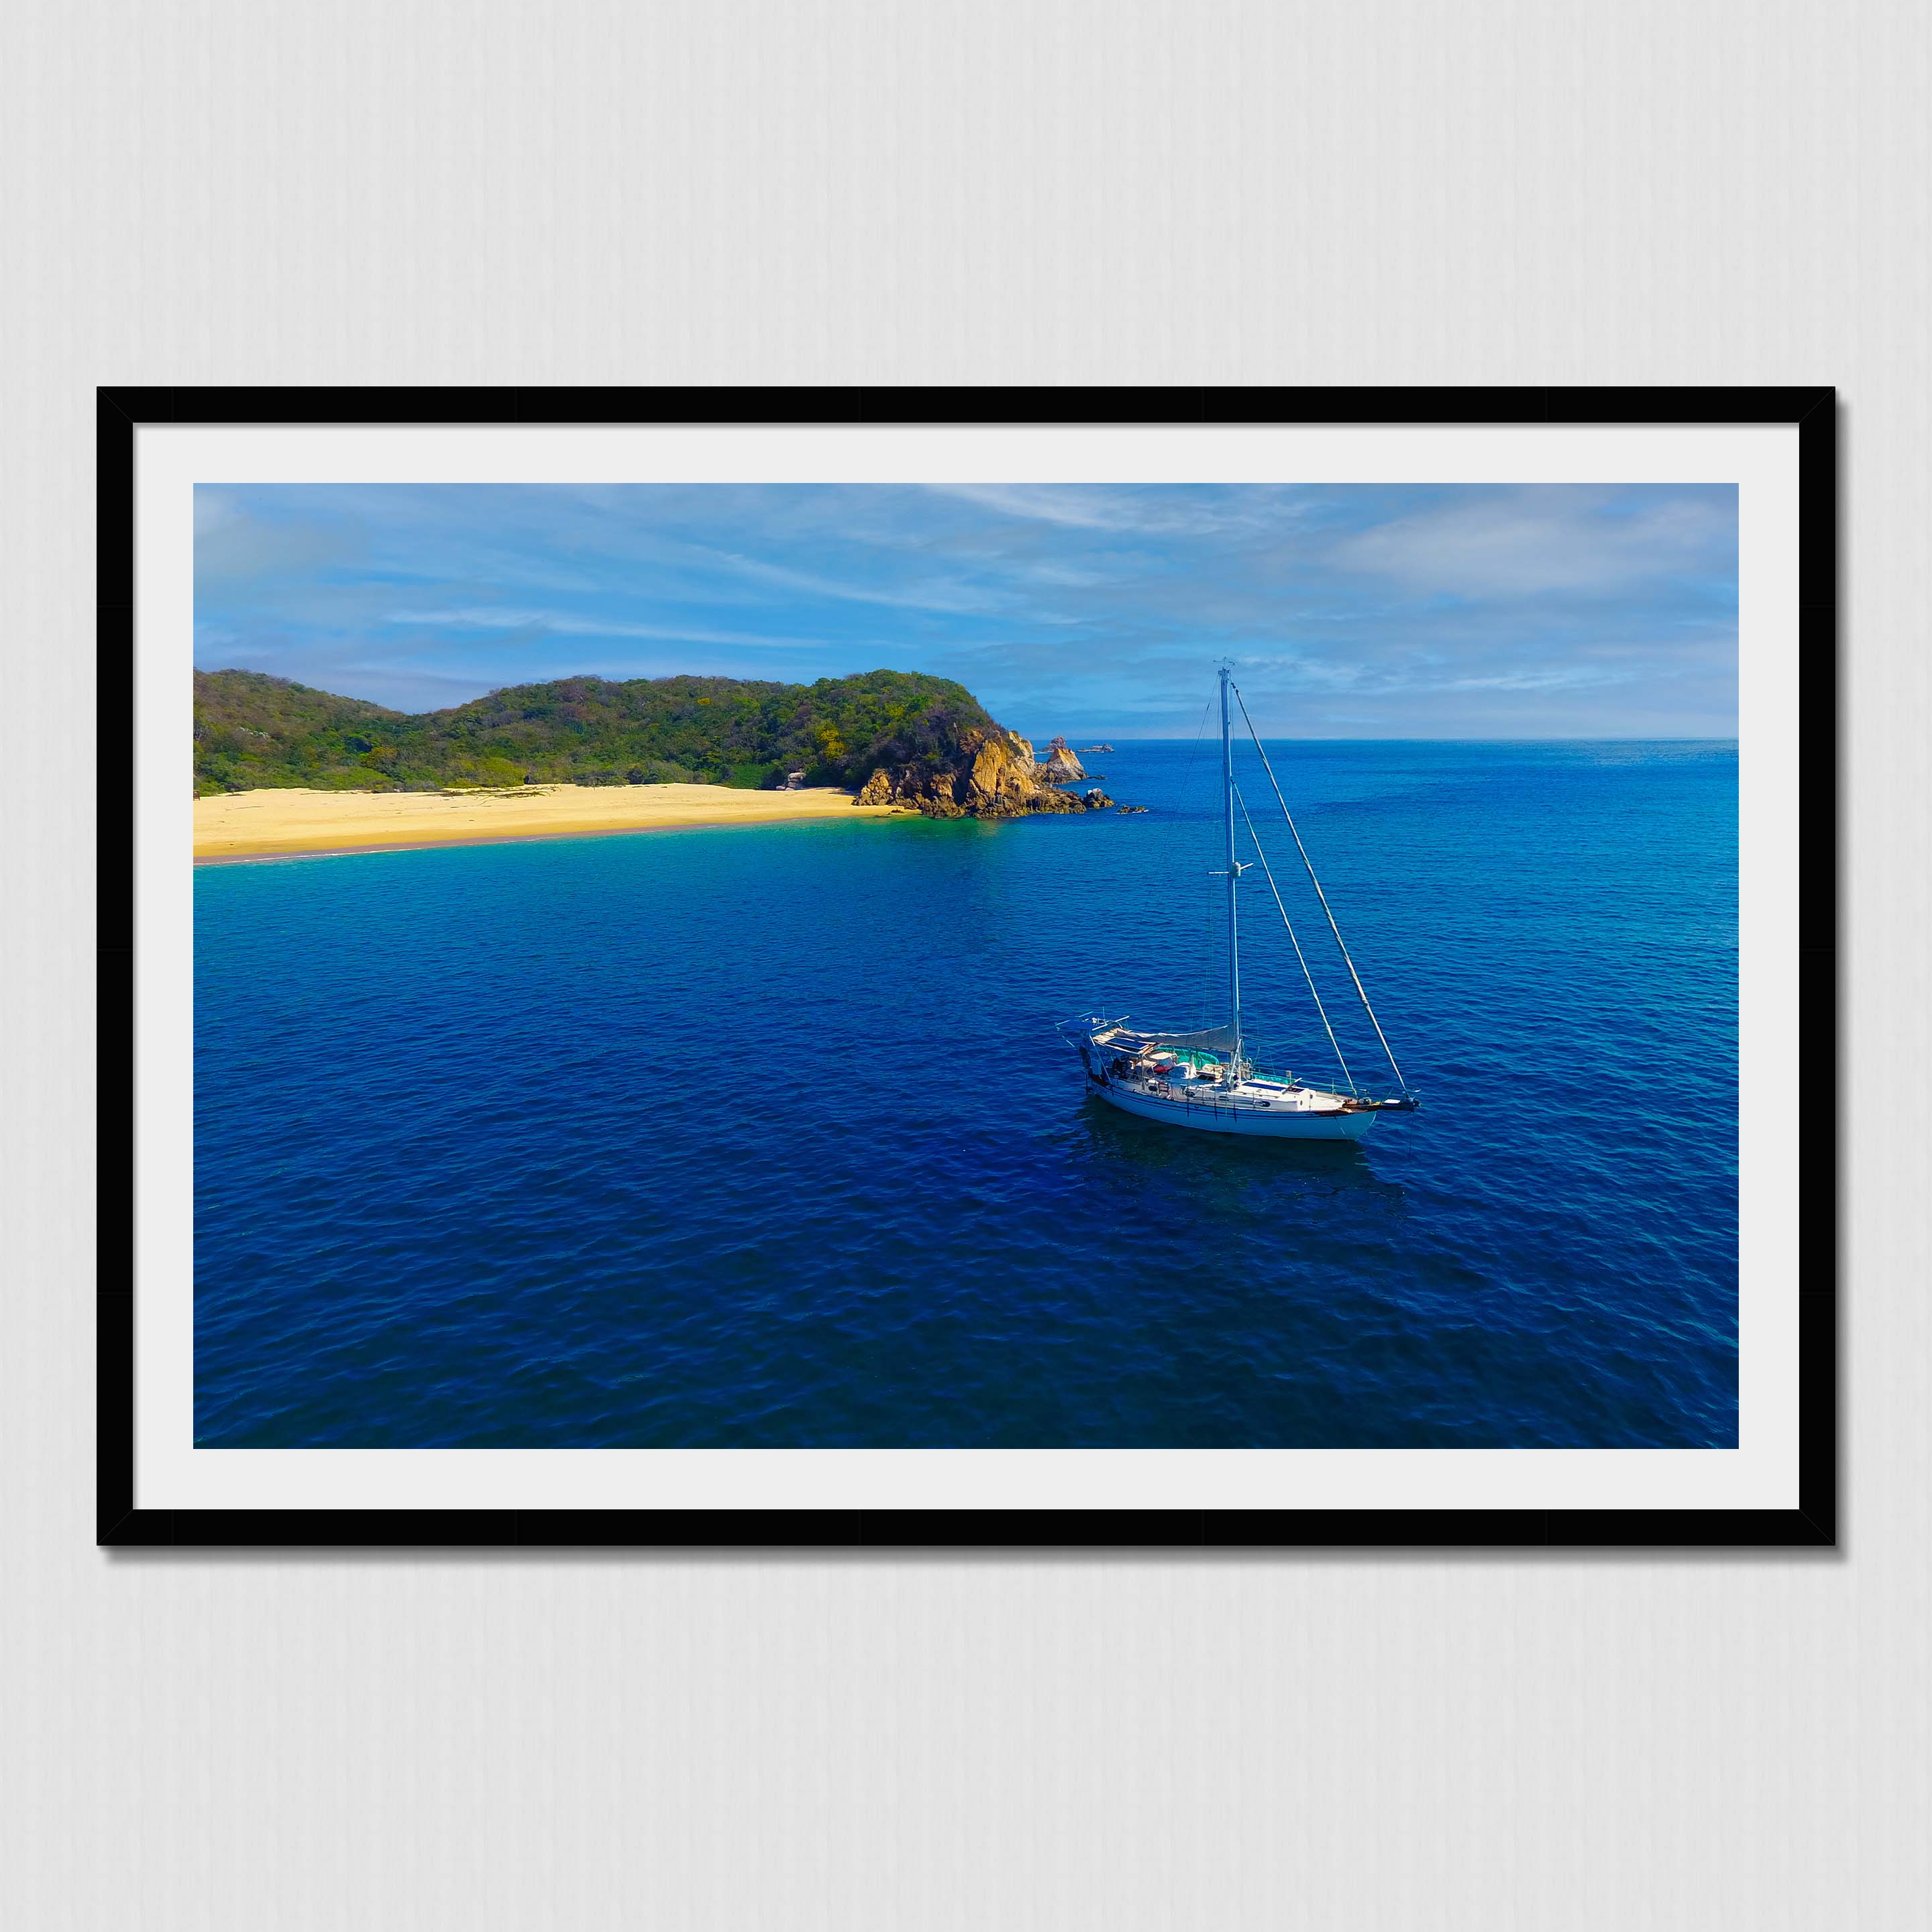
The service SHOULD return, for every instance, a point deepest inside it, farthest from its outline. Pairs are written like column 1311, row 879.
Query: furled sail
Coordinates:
column 1210, row 1039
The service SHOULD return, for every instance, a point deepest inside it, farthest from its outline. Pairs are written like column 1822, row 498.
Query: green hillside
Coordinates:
column 252, row 731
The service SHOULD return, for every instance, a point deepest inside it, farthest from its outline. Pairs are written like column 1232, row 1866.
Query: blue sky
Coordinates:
column 1352, row 611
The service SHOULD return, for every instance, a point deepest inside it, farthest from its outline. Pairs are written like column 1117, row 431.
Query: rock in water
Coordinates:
column 1098, row 801
column 1001, row 781
column 1061, row 765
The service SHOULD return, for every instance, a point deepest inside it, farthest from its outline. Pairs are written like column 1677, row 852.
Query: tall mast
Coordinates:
column 1234, row 872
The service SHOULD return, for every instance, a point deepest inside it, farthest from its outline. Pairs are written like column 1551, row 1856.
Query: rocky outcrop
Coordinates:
column 1062, row 767
column 1098, row 801
column 938, row 801
column 993, row 777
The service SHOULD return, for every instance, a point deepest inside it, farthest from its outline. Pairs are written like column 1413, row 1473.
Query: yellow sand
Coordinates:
column 253, row 824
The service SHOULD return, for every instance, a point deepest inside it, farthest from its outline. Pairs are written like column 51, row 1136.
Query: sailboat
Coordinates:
column 1202, row 1078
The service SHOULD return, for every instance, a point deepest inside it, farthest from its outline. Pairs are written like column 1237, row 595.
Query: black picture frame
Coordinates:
column 1812, row 1524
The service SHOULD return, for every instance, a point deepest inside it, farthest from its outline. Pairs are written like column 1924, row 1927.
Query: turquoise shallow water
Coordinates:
column 764, row 1136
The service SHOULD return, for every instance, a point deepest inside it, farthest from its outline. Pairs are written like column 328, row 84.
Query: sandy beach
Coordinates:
column 259, row 824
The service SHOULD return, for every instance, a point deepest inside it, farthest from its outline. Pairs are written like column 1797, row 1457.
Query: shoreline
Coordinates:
column 289, row 822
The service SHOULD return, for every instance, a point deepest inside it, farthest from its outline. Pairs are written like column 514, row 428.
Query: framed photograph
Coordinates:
column 1193, row 968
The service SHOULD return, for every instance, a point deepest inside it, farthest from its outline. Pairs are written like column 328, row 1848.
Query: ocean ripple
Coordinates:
column 763, row 1136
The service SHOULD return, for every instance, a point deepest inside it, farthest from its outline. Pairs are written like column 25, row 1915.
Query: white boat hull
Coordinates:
column 1250, row 1122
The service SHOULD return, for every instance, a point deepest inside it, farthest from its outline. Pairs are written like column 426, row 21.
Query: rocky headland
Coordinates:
column 899, row 738
column 995, row 774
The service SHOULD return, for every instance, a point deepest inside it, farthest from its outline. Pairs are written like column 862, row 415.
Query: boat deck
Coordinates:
column 1261, row 1095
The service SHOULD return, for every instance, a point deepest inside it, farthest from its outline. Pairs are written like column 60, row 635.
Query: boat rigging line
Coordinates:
column 1201, row 1004
column 1361, row 991
column 1293, row 940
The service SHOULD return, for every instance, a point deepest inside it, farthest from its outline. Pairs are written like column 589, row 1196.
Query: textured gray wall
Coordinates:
column 979, row 190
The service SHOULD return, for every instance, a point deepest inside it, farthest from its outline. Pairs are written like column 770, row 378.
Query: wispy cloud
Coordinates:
column 1580, row 680
column 571, row 624
column 1169, row 511
column 1435, row 610
column 1531, row 542
column 949, row 598
column 1042, row 503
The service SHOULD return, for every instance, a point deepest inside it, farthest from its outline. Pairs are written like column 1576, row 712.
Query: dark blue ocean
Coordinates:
column 764, row 1136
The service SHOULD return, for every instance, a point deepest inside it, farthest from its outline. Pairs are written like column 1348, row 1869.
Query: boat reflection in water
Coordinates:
column 1217, row 1179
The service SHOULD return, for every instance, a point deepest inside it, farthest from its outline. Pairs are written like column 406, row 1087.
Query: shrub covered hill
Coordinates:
column 889, row 735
